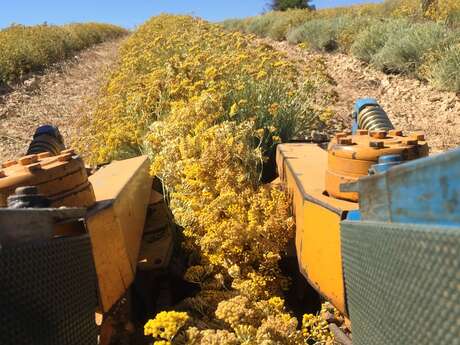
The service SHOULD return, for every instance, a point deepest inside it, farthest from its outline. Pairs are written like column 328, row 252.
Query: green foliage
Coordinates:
column 445, row 73
column 370, row 41
column 406, row 46
column 283, row 5
column 25, row 49
column 328, row 34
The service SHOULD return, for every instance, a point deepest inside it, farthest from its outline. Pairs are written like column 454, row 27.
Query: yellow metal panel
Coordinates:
column 302, row 167
column 116, row 224
column 320, row 252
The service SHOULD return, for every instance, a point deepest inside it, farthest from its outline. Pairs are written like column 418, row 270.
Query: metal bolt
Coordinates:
column 34, row 167
column 362, row 132
column 418, row 136
column 340, row 135
column 2, row 174
column 44, row 155
column 345, row 141
column 379, row 134
column 377, row 144
column 396, row 133
column 26, row 160
column 65, row 157
column 8, row 164
column 411, row 142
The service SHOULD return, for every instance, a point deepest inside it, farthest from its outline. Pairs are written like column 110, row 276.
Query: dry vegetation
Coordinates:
column 397, row 36
column 26, row 49
column 59, row 96
column 208, row 106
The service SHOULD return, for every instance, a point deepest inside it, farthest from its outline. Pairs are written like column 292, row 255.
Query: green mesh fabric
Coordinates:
column 48, row 293
column 402, row 283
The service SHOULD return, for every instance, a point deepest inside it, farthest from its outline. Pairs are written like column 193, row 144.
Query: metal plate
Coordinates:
column 48, row 293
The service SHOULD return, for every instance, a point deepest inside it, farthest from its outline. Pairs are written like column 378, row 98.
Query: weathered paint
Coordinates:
column 302, row 168
column 116, row 224
column 423, row 191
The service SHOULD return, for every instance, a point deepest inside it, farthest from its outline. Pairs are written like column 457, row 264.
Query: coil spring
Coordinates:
column 374, row 118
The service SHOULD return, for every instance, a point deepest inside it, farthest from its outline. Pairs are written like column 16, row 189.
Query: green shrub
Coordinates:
column 25, row 49
column 407, row 45
column 328, row 34
column 445, row 73
column 371, row 40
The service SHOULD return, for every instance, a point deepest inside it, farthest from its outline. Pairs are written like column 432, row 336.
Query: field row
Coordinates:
column 25, row 49
column 397, row 36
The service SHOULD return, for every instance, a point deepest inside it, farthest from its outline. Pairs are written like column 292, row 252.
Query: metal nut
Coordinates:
column 345, row 141
column 377, row 144
column 65, row 157
column 34, row 167
column 379, row 134
column 396, row 133
column 418, row 136
column 340, row 135
column 44, row 155
column 411, row 142
column 26, row 160
column 362, row 132
column 8, row 164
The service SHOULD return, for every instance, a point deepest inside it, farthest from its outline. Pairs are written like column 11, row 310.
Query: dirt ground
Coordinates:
column 410, row 104
column 58, row 96
column 61, row 94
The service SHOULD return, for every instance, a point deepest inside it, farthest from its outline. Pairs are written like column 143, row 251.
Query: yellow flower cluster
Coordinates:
column 208, row 107
column 315, row 328
column 438, row 10
column 165, row 326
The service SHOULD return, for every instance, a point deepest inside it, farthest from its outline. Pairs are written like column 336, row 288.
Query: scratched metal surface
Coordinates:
column 423, row 191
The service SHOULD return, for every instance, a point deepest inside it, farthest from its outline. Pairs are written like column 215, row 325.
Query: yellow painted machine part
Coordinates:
column 320, row 253
column 116, row 224
column 302, row 167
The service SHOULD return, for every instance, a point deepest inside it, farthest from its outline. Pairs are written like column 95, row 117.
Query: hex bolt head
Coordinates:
column 362, row 132
column 396, row 133
column 26, row 160
column 345, row 141
column 379, row 134
column 8, row 164
column 34, row 167
column 44, row 155
column 377, row 144
column 418, row 136
column 66, row 157
column 411, row 142
column 340, row 135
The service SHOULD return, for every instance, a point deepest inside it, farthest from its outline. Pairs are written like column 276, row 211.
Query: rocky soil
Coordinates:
column 411, row 104
column 59, row 96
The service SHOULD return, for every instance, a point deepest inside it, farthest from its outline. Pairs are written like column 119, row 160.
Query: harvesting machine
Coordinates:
column 377, row 235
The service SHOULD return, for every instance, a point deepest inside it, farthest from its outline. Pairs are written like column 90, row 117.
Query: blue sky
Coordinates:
column 129, row 13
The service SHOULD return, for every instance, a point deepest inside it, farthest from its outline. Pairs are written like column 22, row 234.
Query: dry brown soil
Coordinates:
column 59, row 96
column 411, row 104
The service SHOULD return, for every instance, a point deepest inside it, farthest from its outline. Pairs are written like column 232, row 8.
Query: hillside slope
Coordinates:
column 411, row 104
column 60, row 96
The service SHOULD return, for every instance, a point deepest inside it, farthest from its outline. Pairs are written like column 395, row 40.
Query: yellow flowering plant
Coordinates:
column 208, row 107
